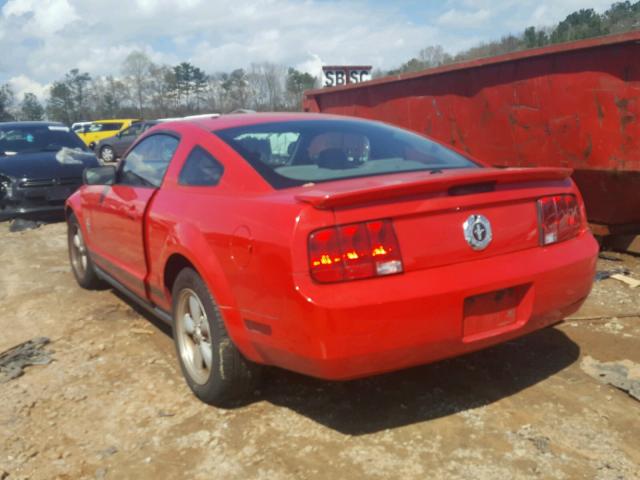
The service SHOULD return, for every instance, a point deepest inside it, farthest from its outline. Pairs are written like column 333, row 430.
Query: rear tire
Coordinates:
column 81, row 264
column 215, row 370
column 107, row 154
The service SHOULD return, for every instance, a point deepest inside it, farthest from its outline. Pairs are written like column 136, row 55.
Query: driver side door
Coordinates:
column 119, row 226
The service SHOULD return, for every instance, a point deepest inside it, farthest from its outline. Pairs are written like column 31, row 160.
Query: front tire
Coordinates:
column 213, row 367
column 107, row 154
column 81, row 264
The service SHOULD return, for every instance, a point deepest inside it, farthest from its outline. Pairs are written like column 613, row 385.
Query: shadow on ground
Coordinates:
column 424, row 393
column 419, row 394
column 155, row 321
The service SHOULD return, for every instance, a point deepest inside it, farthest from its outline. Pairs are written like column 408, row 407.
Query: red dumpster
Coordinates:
column 572, row 105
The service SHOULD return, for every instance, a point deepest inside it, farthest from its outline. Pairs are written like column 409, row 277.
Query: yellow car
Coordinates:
column 104, row 128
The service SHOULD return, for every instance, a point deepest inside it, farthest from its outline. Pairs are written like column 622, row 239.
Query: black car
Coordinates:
column 111, row 148
column 41, row 164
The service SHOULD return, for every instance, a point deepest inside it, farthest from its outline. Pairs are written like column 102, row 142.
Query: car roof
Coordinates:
column 236, row 120
column 116, row 120
column 31, row 124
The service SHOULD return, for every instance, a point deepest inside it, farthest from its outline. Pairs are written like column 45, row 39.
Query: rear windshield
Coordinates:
column 16, row 139
column 289, row 154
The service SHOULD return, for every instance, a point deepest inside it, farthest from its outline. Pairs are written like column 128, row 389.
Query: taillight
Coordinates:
column 355, row 251
column 560, row 218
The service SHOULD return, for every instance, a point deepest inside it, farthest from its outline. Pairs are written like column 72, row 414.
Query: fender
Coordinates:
column 80, row 204
column 73, row 205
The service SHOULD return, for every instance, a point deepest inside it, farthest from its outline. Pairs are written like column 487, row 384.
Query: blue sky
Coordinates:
column 40, row 40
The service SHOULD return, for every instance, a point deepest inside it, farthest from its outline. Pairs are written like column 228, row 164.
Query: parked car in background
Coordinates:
column 41, row 164
column 331, row 246
column 111, row 148
column 104, row 128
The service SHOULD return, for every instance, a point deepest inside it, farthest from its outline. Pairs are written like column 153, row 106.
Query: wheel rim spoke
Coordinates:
column 189, row 325
column 198, row 361
column 206, row 353
column 194, row 309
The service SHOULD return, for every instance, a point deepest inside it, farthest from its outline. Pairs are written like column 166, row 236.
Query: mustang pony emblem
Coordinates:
column 477, row 232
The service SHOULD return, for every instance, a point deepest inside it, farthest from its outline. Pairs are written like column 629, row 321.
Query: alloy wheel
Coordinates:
column 79, row 258
column 107, row 154
column 194, row 336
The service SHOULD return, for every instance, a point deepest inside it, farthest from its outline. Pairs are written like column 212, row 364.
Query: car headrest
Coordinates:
column 333, row 158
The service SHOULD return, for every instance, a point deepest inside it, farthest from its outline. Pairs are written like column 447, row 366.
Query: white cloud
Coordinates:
column 461, row 19
column 313, row 65
column 512, row 16
column 548, row 12
column 46, row 38
column 23, row 84
column 44, row 16
column 41, row 40
column 539, row 14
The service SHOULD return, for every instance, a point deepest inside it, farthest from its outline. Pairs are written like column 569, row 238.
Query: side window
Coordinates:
column 146, row 163
column 133, row 131
column 200, row 169
column 111, row 127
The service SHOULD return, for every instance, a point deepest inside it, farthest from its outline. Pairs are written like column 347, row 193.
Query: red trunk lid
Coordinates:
column 429, row 210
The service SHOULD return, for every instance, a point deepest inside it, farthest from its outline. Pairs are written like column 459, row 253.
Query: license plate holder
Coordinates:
column 492, row 312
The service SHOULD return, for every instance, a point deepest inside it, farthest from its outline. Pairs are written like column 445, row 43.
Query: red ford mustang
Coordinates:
column 331, row 246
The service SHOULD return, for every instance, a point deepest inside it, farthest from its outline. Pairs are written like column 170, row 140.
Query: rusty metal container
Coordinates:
column 573, row 105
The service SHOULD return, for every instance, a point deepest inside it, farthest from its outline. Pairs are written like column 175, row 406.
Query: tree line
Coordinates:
column 620, row 17
column 145, row 89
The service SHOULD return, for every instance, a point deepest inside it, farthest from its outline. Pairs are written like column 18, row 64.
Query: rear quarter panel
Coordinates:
column 238, row 235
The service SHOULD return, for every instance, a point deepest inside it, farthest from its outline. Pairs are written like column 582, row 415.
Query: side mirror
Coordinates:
column 99, row 175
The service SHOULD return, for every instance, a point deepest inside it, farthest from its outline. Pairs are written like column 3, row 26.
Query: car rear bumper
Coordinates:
column 357, row 329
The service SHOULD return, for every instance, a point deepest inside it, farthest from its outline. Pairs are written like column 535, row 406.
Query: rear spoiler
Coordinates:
column 379, row 188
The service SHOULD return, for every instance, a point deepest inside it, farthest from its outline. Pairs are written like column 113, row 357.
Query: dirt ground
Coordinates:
column 113, row 403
